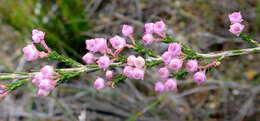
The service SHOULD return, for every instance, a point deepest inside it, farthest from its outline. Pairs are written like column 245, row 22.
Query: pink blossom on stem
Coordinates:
column 131, row 60
column 103, row 62
column 89, row 58
column 117, row 42
column 149, row 28
column 99, row 83
column 127, row 30
column 148, row 39
column 200, row 77
column 175, row 49
column 170, row 85
column 166, row 57
column 235, row 17
column 139, row 62
column 159, row 87
column 175, row 64
column 164, row 73
column 109, row 75
column 236, row 28
column 138, row 74
column 30, row 52
column 192, row 65
column 47, row 84
column 37, row 78
column 128, row 70
column 47, row 71
column 37, row 36
column 159, row 27
column 101, row 44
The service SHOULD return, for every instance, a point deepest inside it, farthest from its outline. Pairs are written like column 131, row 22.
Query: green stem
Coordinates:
column 249, row 39
column 55, row 56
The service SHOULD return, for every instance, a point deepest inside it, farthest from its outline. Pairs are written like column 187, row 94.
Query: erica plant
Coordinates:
column 106, row 54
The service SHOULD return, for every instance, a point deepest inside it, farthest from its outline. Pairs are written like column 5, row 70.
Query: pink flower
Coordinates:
column 175, row 49
column 117, row 42
column 149, row 28
column 164, row 73
column 159, row 87
column 97, row 45
column 89, row 58
column 47, row 84
column 235, row 17
column 128, row 70
column 31, row 53
column 43, row 93
column 199, row 77
column 91, row 45
column 37, row 36
column 47, row 71
column 192, row 65
column 131, row 60
column 175, row 64
column 37, row 78
column 236, row 28
column 103, row 62
column 159, row 27
column 166, row 57
column 109, row 75
column 127, row 30
column 138, row 74
column 99, row 83
column 170, row 85
column 139, row 62
column 148, row 39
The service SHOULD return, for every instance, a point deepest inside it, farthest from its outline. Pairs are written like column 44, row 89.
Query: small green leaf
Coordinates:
column 55, row 56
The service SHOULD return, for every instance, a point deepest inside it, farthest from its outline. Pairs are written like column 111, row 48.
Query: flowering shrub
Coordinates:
column 177, row 62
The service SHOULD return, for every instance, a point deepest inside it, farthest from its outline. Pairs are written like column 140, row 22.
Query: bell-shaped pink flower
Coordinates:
column 99, row 83
column 131, row 60
column 47, row 71
column 128, row 70
column 101, row 44
column 47, row 84
column 170, row 85
column 235, row 17
column 159, row 27
column 139, row 62
column 89, row 58
column 163, row 73
column 103, row 62
column 43, row 93
column 127, row 30
column 149, row 28
column 166, row 57
column 192, row 65
column 31, row 53
column 159, row 87
column 236, row 28
column 175, row 64
column 91, row 45
column 148, row 39
column 37, row 36
column 109, row 75
column 117, row 42
column 37, row 78
column 175, row 49
column 199, row 77
column 138, row 74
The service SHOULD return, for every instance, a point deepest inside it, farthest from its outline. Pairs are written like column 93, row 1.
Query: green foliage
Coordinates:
column 64, row 21
column 168, row 39
column 248, row 39
column 14, row 85
column 65, row 76
column 143, row 51
column 119, row 78
column 55, row 56
column 153, row 63
column 180, row 74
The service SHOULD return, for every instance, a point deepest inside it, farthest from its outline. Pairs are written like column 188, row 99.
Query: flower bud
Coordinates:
column 192, row 65
column 37, row 78
column 89, row 58
column 103, row 62
column 118, row 42
column 47, row 71
column 175, row 64
column 37, row 36
column 127, row 30
column 128, row 70
column 236, row 28
column 30, row 52
column 149, row 28
column 99, row 83
column 46, row 84
column 170, row 85
column 139, row 62
column 148, row 39
column 199, row 77
column 109, row 75
column 138, row 74
column 235, row 17
column 175, row 49
column 164, row 73
column 159, row 87
column 131, row 60
column 166, row 57
column 159, row 27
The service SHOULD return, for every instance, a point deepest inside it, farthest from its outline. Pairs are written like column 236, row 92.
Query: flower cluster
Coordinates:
column 45, row 80
column 30, row 51
column 236, row 27
column 135, row 67
column 157, row 28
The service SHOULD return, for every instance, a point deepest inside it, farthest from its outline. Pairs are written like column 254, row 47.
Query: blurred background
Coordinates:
column 228, row 95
